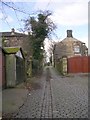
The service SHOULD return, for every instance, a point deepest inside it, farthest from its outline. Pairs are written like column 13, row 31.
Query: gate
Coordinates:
column 78, row 64
column 2, row 70
column 20, row 70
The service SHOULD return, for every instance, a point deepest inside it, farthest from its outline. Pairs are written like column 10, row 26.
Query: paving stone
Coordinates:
column 58, row 98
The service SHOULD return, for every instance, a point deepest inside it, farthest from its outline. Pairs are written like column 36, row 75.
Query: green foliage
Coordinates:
column 3, row 42
column 59, row 66
column 39, row 27
column 36, row 66
column 25, row 53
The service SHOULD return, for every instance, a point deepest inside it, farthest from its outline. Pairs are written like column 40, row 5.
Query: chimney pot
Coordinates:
column 12, row 31
column 69, row 33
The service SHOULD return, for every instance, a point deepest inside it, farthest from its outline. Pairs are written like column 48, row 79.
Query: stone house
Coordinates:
column 69, row 47
column 12, row 39
column 15, row 39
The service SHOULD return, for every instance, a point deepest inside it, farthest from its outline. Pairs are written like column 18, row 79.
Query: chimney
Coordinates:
column 12, row 31
column 69, row 33
column 28, row 33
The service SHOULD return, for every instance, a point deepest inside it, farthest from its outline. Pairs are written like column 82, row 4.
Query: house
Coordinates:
column 12, row 39
column 69, row 48
column 14, row 66
column 15, row 39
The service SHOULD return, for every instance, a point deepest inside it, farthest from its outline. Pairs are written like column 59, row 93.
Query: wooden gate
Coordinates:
column 20, row 70
column 2, row 69
column 78, row 64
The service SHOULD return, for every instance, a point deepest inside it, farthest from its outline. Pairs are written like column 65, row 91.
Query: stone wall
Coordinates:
column 22, row 41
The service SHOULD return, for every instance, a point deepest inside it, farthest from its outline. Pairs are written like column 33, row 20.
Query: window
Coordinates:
column 76, row 49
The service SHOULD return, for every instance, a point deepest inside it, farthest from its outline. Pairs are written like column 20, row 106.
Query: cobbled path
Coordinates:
column 70, row 96
column 58, row 97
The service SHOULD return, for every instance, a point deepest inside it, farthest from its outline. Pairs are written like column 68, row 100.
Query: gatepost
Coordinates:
column 29, row 72
column 30, row 66
column 64, row 64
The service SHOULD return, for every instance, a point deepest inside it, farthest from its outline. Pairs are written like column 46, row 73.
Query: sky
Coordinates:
column 67, row 15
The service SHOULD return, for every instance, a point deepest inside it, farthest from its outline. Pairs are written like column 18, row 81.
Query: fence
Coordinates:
column 78, row 64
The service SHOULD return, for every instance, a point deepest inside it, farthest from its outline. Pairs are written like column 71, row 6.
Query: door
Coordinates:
column 20, row 70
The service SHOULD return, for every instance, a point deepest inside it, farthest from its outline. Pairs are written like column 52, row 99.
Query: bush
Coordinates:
column 59, row 67
column 35, row 66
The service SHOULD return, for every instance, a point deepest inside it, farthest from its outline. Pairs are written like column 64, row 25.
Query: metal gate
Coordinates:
column 78, row 64
column 20, row 70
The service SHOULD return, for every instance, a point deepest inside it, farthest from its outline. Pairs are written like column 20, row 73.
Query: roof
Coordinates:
column 13, row 50
column 9, row 34
column 70, row 38
column 69, row 41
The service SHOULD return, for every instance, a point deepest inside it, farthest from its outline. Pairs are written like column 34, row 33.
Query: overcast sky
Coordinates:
column 67, row 14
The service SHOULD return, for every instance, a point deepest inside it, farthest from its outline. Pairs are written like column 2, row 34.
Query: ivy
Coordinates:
column 40, row 28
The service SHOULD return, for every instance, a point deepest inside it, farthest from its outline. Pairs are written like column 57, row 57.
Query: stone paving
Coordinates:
column 58, row 97
column 70, row 96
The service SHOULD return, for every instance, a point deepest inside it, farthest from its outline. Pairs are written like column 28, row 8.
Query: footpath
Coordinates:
column 50, row 96
column 14, row 98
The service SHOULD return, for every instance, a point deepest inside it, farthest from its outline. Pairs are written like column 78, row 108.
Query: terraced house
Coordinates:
column 74, row 51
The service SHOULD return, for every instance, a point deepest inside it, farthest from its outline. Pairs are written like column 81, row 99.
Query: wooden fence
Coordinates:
column 78, row 64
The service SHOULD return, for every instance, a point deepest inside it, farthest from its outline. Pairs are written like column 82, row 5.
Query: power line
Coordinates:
column 17, row 9
column 5, row 16
column 48, row 4
column 17, row 18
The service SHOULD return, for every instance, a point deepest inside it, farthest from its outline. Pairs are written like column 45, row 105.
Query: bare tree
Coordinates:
column 50, row 50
